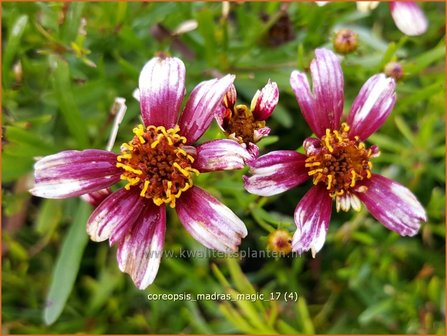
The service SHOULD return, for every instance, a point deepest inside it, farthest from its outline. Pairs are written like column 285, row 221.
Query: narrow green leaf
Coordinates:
column 234, row 317
column 102, row 290
column 68, row 107
column 420, row 95
column 303, row 316
column 424, row 60
column 375, row 310
column 284, row 328
column 12, row 45
column 67, row 265
column 24, row 138
column 72, row 21
column 14, row 167
column 404, row 129
column 252, row 314
column 49, row 217
column 196, row 317
column 220, row 277
column 241, row 282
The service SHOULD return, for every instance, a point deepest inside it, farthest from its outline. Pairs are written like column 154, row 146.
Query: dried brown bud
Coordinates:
column 394, row 70
column 345, row 41
column 280, row 241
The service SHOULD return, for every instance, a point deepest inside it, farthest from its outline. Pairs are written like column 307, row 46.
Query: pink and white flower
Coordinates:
column 158, row 166
column 407, row 15
column 244, row 124
column 336, row 160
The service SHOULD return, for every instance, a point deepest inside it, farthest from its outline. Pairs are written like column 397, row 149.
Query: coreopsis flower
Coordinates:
column 407, row 15
column 244, row 124
column 158, row 166
column 337, row 161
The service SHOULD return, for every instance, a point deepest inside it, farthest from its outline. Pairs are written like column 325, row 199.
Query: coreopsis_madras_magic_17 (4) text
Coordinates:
column 337, row 160
column 158, row 166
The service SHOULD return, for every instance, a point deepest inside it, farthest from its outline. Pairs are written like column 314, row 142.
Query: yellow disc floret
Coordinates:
column 240, row 122
column 340, row 163
column 156, row 162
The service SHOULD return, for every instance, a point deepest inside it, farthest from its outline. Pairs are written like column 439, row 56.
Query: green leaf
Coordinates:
column 303, row 316
column 240, row 280
column 404, row 129
column 72, row 21
column 424, row 60
column 13, row 44
column 13, row 167
column 49, row 217
column 375, row 310
column 66, row 99
column 67, row 265
column 26, row 143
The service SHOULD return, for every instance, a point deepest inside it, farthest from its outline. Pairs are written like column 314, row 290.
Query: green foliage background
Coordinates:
column 62, row 67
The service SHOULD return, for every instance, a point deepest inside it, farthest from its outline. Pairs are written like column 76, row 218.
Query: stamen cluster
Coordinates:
column 340, row 162
column 156, row 162
column 241, row 122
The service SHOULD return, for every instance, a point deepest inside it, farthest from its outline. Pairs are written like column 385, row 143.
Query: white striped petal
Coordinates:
column 115, row 215
column 140, row 252
column 209, row 221
column 312, row 216
column 221, row 154
column 73, row 173
column 409, row 17
column 276, row 172
column 393, row 205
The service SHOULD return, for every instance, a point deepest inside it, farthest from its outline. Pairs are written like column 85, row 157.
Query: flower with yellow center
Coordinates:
column 246, row 124
column 157, row 168
column 337, row 161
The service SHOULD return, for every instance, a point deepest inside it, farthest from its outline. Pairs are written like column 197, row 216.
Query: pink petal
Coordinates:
column 74, row 173
column 372, row 106
column 95, row 198
column 393, row 205
column 230, row 97
column 209, row 221
column 258, row 134
column 253, row 150
column 201, row 106
column 276, row 172
column 306, row 101
column 221, row 154
column 162, row 87
column 115, row 215
column 408, row 17
column 220, row 114
column 312, row 217
column 139, row 253
column 328, row 82
column 265, row 101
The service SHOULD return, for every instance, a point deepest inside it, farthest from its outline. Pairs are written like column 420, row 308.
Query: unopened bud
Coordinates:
column 345, row 41
column 394, row 70
column 280, row 241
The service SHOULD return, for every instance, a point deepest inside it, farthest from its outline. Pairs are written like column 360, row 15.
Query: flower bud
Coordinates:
column 345, row 41
column 280, row 241
column 394, row 70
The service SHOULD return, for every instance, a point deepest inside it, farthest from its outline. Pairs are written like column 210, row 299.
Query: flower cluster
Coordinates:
column 158, row 165
column 337, row 160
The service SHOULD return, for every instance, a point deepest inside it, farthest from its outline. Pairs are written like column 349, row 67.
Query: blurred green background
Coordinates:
column 62, row 66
